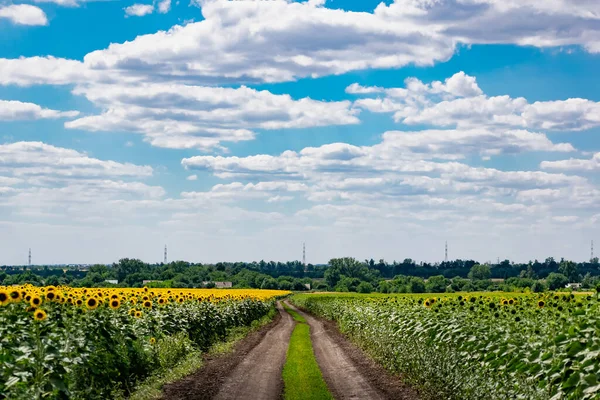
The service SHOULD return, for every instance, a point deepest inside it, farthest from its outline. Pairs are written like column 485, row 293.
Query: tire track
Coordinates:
column 349, row 374
column 258, row 376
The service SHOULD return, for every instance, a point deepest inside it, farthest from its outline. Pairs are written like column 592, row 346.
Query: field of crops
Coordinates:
column 58, row 342
column 477, row 346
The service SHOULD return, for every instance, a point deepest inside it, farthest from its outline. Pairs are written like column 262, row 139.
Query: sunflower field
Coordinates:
column 477, row 346
column 78, row 343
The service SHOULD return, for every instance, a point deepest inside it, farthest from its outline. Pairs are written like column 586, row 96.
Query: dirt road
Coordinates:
column 258, row 377
column 253, row 370
column 348, row 372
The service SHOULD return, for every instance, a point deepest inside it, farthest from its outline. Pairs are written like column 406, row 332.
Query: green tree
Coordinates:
column 569, row 269
column 556, row 281
column 416, row 285
column 436, row 284
column 480, row 272
column 364, row 287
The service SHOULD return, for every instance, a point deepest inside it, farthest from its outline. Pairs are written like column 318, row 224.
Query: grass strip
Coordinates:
column 302, row 377
column 151, row 388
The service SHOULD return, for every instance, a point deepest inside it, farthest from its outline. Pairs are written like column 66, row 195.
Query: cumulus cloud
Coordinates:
column 459, row 102
column 183, row 116
column 23, row 14
column 139, row 10
column 37, row 160
column 164, row 6
column 574, row 164
column 11, row 110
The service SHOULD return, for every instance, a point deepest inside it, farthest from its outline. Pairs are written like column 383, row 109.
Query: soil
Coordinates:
column 347, row 370
column 251, row 371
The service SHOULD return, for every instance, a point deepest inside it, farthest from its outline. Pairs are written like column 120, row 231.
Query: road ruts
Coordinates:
column 258, row 376
column 344, row 379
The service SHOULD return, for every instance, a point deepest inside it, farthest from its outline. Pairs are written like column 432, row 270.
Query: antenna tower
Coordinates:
column 446, row 255
column 30, row 256
column 165, row 261
column 592, row 252
column 304, row 253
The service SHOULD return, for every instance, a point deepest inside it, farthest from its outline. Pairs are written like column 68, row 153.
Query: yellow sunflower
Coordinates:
column 40, row 315
column 92, row 303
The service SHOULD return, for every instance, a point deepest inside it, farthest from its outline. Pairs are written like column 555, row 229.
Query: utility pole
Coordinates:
column 165, row 261
column 446, row 256
column 30, row 256
column 592, row 253
column 304, row 254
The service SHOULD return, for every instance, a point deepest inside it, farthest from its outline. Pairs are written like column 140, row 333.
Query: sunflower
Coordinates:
column 91, row 303
column 114, row 304
column 181, row 300
column 50, row 296
column 511, row 301
column 161, row 301
column 541, row 304
column 152, row 340
column 15, row 295
column 138, row 314
column 132, row 312
column 35, row 301
column 79, row 302
column 427, row 303
column 4, row 298
column 148, row 304
column 40, row 315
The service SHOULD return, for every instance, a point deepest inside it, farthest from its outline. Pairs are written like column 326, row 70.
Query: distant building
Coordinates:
column 113, row 281
column 148, row 281
column 307, row 285
column 219, row 285
column 573, row 286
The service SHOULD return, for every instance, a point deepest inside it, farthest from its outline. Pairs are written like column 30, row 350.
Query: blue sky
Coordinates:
column 238, row 130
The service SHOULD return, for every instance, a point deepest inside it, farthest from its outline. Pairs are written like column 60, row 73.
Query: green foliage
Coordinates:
column 556, row 281
column 480, row 272
column 81, row 354
column 436, row 284
column 461, row 347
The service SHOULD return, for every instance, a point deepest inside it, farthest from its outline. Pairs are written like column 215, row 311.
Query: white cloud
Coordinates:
column 37, row 160
column 164, row 6
column 279, row 199
column 139, row 10
column 192, row 177
column 182, row 116
column 64, row 3
column 573, row 164
column 15, row 110
column 274, row 41
column 459, row 102
column 25, row 71
column 23, row 14
column 355, row 88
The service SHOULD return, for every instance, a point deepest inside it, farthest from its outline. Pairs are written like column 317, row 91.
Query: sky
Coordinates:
column 237, row 130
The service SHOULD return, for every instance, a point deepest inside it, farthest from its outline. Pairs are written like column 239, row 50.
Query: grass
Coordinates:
column 301, row 374
column 151, row 388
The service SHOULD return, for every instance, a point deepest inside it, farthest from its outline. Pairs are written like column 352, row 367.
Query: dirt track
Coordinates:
column 253, row 370
column 348, row 372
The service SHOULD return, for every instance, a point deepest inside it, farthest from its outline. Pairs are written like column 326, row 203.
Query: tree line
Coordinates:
column 341, row 274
